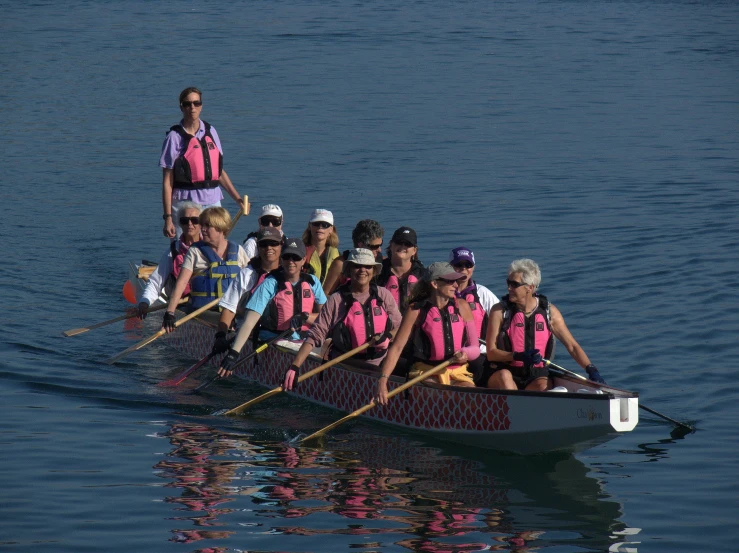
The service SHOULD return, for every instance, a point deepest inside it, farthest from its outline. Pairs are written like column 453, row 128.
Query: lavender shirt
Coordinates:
column 173, row 148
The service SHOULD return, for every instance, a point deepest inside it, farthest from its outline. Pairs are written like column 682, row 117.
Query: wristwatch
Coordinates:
column 166, row 216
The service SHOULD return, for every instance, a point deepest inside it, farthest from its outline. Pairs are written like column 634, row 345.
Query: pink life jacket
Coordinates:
column 400, row 288
column 361, row 323
column 478, row 312
column 179, row 249
column 519, row 333
column 438, row 334
column 201, row 164
column 290, row 300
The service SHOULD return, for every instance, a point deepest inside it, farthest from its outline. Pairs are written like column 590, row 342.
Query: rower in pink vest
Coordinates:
column 402, row 269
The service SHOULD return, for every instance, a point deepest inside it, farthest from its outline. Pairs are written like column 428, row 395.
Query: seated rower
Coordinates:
column 354, row 314
column 434, row 308
column 522, row 329
column 166, row 273
column 321, row 243
column 275, row 302
column 215, row 261
column 367, row 234
column 271, row 216
column 251, row 276
column 402, row 269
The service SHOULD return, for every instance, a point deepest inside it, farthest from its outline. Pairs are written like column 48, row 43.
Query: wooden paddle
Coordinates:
column 134, row 313
column 436, row 370
column 257, row 351
column 274, row 391
column 161, row 332
column 556, row 369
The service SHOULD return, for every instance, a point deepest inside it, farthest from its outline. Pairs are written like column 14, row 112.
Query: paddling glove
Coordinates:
column 297, row 321
column 169, row 321
column 230, row 360
column 291, row 375
column 529, row 357
column 594, row 375
column 221, row 343
column 142, row 310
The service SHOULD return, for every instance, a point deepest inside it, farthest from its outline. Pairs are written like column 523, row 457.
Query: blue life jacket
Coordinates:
column 219, row 275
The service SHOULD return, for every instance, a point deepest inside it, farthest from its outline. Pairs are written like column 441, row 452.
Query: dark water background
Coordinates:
column 598, row 138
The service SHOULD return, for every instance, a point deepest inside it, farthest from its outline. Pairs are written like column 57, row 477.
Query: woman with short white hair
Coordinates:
column 521, row 333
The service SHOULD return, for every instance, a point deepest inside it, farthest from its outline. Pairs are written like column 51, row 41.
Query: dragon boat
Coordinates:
column 578, row 416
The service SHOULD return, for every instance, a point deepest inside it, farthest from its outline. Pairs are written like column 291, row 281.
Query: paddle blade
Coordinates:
column 129, row 292
column 75, row 331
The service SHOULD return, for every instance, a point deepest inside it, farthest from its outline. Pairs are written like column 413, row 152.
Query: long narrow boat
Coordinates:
column 521, row 422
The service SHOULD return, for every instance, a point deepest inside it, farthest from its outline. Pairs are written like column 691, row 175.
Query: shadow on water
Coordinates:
column 371, row 490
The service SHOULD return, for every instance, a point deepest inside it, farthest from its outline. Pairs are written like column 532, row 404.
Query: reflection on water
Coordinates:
column 232, row 492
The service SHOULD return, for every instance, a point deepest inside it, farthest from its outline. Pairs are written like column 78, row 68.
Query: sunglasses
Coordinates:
column 463, row 265
column 405, row 244
column 513, row 284
column 374, row 247
column 448, row 282
column 185, row 220
column 270, row 221
column 356, row 266
column 292, row 257
column 321, row 224
column 187, row 104
column 268, row 244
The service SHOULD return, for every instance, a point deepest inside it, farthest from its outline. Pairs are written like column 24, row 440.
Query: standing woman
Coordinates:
column 521, row 332
column 216, row 260
column 321, row 244
column 402, row 269
column 439, row 326
column 192, row 163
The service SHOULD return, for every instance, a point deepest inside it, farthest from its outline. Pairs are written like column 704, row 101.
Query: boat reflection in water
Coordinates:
column 237, row 492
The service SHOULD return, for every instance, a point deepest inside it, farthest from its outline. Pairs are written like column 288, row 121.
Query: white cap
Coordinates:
column 362, row 256
column 322, row 215
column 271, row 209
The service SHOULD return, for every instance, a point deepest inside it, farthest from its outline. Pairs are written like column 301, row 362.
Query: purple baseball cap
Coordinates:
column 460, row 254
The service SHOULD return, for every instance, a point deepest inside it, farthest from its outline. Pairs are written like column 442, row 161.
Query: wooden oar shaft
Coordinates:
column 436, row 370
column 162, row 332
column 76, row 331
column 274, row 391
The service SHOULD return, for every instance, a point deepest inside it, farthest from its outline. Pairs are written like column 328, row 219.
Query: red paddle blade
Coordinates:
column 129, row 292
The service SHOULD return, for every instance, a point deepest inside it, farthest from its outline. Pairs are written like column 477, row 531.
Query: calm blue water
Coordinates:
column 599, row 138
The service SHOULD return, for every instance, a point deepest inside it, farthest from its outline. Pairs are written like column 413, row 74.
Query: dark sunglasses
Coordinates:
column 292, row 257
column 187, row 104
column 269, row 221
column 449, row 282
column 513, row 284
column 405, row 244
column 374, row 247
column 185, row 220
column 268, row 244
column 321, row 224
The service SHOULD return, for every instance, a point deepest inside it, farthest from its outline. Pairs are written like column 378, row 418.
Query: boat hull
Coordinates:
column 514, row 421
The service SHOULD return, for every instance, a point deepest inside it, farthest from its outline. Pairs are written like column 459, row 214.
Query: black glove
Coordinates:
column 169, row 321
column 387, row 335
column 529, row 357
column 290, row 378
column 142, row 310
column 594, row 375
column 297, row 321
column 221, row 343
column 229, row 361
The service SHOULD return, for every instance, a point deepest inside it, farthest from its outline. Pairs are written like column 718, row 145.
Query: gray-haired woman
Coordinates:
column 521, row 332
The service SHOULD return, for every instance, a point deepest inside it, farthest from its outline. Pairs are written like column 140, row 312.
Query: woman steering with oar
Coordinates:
column 521, row 333
column 215, row 261
column 352, row 315
column 166, row 273
column 192, row 163
column 440, row 326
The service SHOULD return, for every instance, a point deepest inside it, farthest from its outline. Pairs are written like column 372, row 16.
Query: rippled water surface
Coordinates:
column 598, row 138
